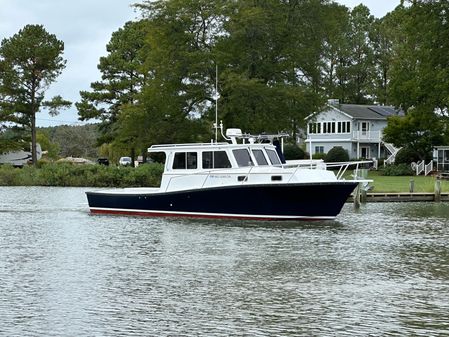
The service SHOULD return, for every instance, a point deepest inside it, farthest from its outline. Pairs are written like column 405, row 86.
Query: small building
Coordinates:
column 356, row 128
column 441, row 158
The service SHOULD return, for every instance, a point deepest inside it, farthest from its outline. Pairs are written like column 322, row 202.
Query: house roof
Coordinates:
column 368, row 111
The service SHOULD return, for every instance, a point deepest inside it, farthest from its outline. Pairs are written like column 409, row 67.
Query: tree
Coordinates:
column 270, row 54
column 356, row 65
column 121, row 80
column 419, row 71
column 419, row 131
column 29, row 62
column 179, row 58
column 382, row 36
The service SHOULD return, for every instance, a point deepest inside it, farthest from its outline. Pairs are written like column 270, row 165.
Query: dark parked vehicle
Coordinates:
column 103, row 161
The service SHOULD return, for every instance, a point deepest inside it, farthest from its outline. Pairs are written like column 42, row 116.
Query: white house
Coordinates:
column 355, row 128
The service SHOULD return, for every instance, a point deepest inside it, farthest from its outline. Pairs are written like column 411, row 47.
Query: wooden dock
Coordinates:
column 401, row 197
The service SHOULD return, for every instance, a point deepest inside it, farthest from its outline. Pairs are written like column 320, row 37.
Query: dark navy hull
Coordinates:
column 264, row 202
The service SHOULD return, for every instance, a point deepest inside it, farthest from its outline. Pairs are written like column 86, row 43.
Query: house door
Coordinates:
column 364, row 128
column 364, row 152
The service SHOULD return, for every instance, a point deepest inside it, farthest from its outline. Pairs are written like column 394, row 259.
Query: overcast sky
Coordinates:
column 86, row 26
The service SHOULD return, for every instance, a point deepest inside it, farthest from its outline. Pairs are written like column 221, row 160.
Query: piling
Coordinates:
column 412, row 185
column 357, row 197
column 437, row 190
column 363, row 196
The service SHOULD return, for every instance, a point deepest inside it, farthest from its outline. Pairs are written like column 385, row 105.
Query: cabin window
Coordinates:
column 260, row 158
column 215, row 159
column 242, row 157
column 185, row 160
column 274, row 159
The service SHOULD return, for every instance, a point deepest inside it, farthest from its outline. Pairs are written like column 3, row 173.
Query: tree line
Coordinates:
column 277, row 61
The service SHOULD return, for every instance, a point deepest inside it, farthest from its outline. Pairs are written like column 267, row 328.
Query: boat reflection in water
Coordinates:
column 242, row 180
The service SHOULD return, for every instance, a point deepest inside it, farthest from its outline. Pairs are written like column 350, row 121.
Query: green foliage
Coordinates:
column 65, row 174
column 336, row 154
column 29, row 62
column 406, row 155
column 293, row 151
column 52, row 149
column 122, row 80
column 70, row 140
column 396, row 170
column 419, row 76
column 419, row 130
column 319, row 156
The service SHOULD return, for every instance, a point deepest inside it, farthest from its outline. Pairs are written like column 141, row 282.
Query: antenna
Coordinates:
column 216, row 103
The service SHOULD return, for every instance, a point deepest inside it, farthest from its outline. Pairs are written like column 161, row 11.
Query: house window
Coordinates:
column 344, row 127
column 315, row 128
column 319, row 149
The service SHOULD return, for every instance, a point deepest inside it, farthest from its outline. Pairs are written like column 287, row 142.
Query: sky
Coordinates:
column 86, row 26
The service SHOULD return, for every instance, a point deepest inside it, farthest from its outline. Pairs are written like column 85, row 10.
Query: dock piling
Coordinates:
column 437, row 190
column 412, row 185
column 357, row 197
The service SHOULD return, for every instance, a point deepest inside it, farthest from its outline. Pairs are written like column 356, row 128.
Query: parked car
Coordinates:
column 125, row 161
column 103, row 161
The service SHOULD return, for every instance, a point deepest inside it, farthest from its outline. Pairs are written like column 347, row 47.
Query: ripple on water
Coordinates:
column 381, row 270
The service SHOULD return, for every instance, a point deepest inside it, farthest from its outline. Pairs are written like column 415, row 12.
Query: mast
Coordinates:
column 216, row 103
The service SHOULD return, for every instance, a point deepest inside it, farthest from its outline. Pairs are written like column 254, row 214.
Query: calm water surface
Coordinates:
column 381, row 270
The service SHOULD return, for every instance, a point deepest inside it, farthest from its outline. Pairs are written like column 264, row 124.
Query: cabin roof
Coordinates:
column 204, row 146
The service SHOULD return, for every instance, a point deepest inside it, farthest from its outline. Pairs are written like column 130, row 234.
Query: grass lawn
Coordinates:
column 402, row 183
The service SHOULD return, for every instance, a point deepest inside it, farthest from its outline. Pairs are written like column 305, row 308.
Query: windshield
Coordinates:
column 274, row 159
column 242, row 157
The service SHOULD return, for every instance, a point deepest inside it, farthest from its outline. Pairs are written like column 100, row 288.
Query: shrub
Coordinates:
column 396, row 170
column 319, row 156
column 406, row 155
column 337, row 154
column 66, row 174
column 293, row 151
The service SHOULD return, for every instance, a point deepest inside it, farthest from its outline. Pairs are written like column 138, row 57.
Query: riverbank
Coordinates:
column 66, row 174
column 405, row 184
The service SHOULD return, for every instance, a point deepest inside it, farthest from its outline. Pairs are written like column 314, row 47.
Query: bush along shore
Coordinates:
column 66, row 174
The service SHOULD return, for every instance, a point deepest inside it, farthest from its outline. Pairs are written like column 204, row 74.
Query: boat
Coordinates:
column 242, row 178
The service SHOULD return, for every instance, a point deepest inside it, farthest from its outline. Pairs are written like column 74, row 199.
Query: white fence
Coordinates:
column 421, row 167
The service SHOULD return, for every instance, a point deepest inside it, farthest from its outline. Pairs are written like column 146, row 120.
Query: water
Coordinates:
column 382, row 270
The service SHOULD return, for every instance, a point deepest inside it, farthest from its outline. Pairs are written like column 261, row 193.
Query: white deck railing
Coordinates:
column 374, row 136
column 428, row 168
column 419, row 167
column 203, row 176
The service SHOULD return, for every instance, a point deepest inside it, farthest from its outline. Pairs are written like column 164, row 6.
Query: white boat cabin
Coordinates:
column 216, row 156
column 212, row 164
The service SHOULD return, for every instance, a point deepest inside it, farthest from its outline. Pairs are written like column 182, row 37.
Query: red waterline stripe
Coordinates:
column 203, row 216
